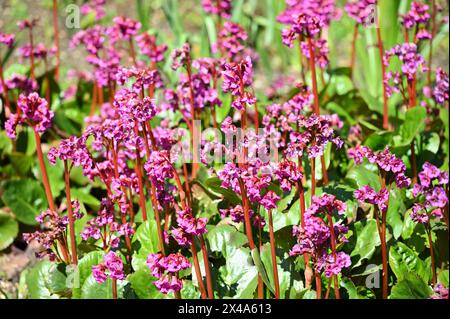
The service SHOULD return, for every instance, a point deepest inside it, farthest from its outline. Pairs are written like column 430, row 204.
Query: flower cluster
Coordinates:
column 230, row 41
column 325, row 10
column 94, row 6
column 105, row 228
column 362, row 11
column 367, row 194
column 34, row 111
column 7, row 39
column 188, row 226
column 112, row 266
column 236, row 77
column 318, row 131
column 430, row 194
column 411, row 61
column 440, row 92
column 166, row 270
column 303, row 24
column 148, row 46
column 221, row 8
column 53, row 231
column 416, row 16
column 320, row 54
column 386, row 162
column 315, row 237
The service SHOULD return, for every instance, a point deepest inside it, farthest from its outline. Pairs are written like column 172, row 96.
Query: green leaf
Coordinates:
column 84, row 196
column 240, row 272
column 403, row 260
column 214, row 185
column 225, row 238
column 414, row 124
column 45, row 281
column 8, row 230
column 361, row 175
column 147, row 235
column 84, row 270
column 93, row 290
column 410, row 287
column 396, row 209
column 26, row 198
column 262, row 270
column 367, row 239
column 142, row 283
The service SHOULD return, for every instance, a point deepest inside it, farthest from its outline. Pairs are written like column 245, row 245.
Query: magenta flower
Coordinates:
column 34, row 112
column 124, row 28
column 7, row 39
column 112, row 266
column 440, row 92
column 220, row 8
column 362, row 11
column 230, row 41
column 430, row 194
column 417, row 15
column 148, row 46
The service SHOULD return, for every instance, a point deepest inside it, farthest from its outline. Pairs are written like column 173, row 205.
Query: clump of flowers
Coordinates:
column 34, row 112
column 320, row 236
column 112, row 266
column 166, row 269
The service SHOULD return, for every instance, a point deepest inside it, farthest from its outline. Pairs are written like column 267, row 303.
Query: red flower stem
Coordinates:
column 316, row 108
column 382, row 234
column 73, row 242
column 353, row 57
column 308, row 270
column 256, row 119
column 186, row 183
column 274, row 256
column 412, row 103
column 194, row 143
column 101, row 98
column 114, row 288
column 383, row 73
column 132, row 52
column 313, row 176
column 327, row 293
column 312, row 66
column 260, row 281
column 430, row 242
column 433, row 34
column 32, row 53
column 302, row 65
column 207, row 269
column 123, row 218
column 318, row 285
column 198, row 273
column 47, row 81
column 94, row 99
column 5, row 92
column 45, row 181
column 56, row 38
column 247, row 222
column 138, row 170
column 333, row 249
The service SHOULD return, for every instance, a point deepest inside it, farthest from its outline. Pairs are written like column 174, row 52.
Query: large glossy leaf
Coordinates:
column 225, row 238
column 147, row 235
column 414, row 124
column 367, row 239
column 84, row 270
column 240, row 272
column 45, row 281
column 26, row 198
column 410, row 287
column 403, row 260
column 8, row 229
column 93, row 290
column 142, row 283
